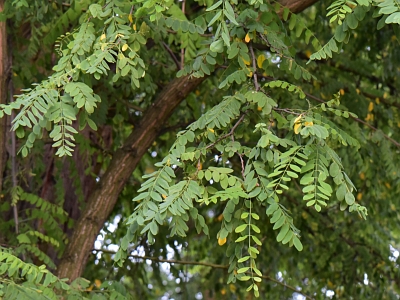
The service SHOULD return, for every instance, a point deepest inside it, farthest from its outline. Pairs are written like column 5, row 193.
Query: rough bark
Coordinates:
column 104, row 197
column 4, row 73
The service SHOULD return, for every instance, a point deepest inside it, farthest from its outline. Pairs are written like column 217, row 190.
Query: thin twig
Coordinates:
column 133, row 106
column 375, row 129
column 396, row 143
column 241, row 158
column 242, row 162
column 130, row 14
column 205, row 264
column 228, row 134
column 183, row 49
column 176, row 61
column 256, row 85
column 286, row 110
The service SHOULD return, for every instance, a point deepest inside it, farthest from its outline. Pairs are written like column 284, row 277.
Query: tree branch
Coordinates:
column 394, row 142
column 5, row 71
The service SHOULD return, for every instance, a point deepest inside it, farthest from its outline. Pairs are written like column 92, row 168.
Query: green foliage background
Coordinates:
column 278, row 175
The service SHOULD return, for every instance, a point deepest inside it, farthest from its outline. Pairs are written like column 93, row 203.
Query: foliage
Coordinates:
column 272, row 164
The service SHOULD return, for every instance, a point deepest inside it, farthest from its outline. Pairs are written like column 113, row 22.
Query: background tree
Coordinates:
column 248, row 127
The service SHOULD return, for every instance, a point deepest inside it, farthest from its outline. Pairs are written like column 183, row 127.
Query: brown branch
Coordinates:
column 130, row 105
column 172, row 55
column 183, row 49
column 256, row 85
column 396, row 143
column 205, row 264
column 5, row 75
column 231, row 132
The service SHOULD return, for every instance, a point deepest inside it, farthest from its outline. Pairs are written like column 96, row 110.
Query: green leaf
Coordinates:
column 297, row 243
column 240, row 228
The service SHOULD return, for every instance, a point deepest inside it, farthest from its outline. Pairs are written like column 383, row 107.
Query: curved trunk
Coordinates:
column 104, row 197
column 4, row 74
column 102, row 200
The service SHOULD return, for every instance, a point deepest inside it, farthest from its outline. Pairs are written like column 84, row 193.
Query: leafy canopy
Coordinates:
column 279, row 153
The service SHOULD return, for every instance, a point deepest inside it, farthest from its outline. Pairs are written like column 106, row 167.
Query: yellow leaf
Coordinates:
column 130, row 18
column 371, row 106
column 97, row 283
column 359, row 196
column 385, row 95
column 297, row 120
column 199, row 166
column 211, row 130
column 330, row 284
column 297, row 128
column 223, row 291
column 342, row 92
column 260, row 60
column 308, row 53
column 221, row 241
column 102, row 37
column 358, row 91
column 387, row 184
column 124, row 47
column 134, row 27
column 246, row 62
column 164, row 196
column 259, row 108
column 377, row 100
column 197, row 92
column 308, row 124
column 90, row 288
column 250, row 74
column 362, row 176
column 247, row 38
column 370, row 117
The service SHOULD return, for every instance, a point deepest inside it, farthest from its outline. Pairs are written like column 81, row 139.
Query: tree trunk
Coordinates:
column 102, row 200
column 4, row 74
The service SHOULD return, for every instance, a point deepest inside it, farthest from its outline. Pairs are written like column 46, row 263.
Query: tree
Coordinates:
column 249, row 136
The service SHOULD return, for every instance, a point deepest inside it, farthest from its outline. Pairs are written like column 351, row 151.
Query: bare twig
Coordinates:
column 183, row 49
column 133, row 106
column 286, row 110
column 228, row 134
column 256, row 85
column 172, row 56
column 242, row 162
column 130, row 14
